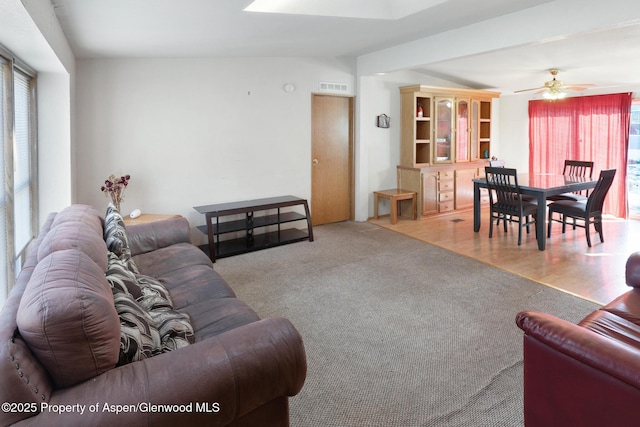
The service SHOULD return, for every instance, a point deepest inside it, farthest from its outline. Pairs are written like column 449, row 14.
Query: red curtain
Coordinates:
column 591, row 128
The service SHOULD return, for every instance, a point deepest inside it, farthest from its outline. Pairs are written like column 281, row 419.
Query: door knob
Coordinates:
column 315, row 162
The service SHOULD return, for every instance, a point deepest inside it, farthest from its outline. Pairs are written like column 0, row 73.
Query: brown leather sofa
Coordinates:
column 586, row 374
column 238, row 369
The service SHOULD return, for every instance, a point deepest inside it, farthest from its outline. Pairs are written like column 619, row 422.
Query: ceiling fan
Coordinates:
column 555, row 89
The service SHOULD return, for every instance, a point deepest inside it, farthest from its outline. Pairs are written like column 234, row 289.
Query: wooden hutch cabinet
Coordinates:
column 445, row 143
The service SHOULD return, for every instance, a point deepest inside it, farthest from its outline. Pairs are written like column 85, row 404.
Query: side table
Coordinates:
column 394, row 196
column 145, row 218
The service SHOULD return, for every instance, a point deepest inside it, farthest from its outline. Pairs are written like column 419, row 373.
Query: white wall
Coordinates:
column 55, row 158
column 513, row 131
column 192, row 132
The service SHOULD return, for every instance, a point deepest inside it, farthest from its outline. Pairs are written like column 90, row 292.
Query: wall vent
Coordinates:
column 334, row 87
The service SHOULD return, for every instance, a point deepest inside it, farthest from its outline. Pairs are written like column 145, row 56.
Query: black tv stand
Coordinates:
column 214, row 228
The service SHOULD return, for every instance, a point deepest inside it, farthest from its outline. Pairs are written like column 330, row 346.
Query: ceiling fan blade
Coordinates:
column 555, row 86
column 578, row 87
column 526, row 90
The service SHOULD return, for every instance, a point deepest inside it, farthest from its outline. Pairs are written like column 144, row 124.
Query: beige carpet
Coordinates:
column 398, row 332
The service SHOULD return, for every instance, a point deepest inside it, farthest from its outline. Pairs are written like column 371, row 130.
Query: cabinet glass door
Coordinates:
column 462, row 131
column 474, row 131
column 444, row 130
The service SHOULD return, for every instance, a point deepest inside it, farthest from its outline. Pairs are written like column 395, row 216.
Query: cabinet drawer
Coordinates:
column 445, row 185
column 446, row 174
column 445, row 196
column 446, row 206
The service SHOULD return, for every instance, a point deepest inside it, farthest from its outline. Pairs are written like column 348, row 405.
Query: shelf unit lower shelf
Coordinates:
column 227, row 248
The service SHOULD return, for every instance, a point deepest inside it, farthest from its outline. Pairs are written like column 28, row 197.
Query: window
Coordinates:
column 594, row 128
column 17, row 166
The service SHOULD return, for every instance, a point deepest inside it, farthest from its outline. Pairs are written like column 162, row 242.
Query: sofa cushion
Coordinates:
column 214, row 316
column 67, row 317
column 192, row 285
column 186, row 272
column 626, row 306
column 80, row 236
column 79, row 213
column 613, row 326
column 164, row 260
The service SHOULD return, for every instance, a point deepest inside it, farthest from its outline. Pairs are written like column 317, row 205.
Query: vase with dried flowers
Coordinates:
column 114, row 187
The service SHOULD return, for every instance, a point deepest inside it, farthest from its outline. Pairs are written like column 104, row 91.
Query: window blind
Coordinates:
column 18, row 187
column 22, row 161
column 4, row 258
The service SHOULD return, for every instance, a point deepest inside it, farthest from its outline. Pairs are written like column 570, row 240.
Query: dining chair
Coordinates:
column 501, row 164
column 497, row 164
column 575, row 168
column 505, row 200
column 589, row 211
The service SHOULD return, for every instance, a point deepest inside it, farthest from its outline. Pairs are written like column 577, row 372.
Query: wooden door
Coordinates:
column 331, row 161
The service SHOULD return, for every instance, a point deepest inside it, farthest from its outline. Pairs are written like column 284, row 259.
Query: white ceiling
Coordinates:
column 607, row 57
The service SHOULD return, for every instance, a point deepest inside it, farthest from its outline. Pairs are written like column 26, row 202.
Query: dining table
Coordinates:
column 541, row 186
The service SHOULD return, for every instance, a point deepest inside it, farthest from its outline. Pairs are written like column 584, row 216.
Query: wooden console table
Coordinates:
column 214, row 228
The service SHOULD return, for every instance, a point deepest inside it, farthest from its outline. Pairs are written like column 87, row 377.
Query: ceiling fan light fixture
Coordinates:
column 554, row 94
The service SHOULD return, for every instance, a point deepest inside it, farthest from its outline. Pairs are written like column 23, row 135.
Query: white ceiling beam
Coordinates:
column 547, row 22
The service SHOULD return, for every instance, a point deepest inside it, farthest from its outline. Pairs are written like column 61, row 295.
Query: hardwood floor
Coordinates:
column 596, row 274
